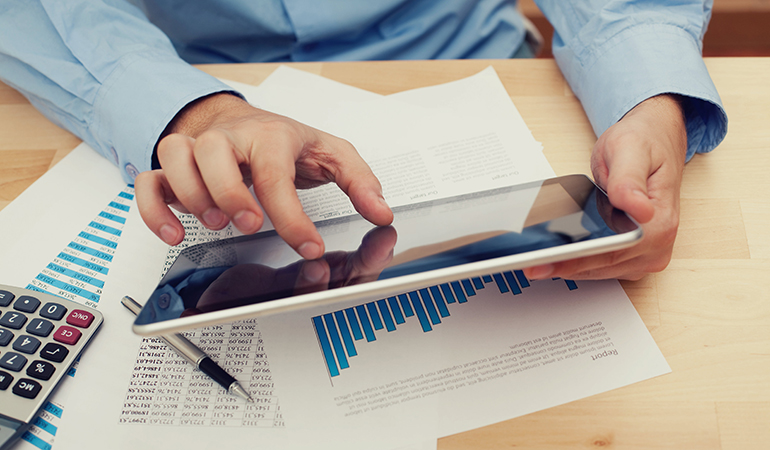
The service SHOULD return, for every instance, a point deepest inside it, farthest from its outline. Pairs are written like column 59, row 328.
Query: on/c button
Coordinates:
column 67, row 335
column 80, row 318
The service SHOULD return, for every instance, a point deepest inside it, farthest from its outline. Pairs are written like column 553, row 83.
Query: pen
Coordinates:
column 194, row 355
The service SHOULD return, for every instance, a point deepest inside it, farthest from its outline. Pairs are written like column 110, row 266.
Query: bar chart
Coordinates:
column 80, row 270
column 338, row 331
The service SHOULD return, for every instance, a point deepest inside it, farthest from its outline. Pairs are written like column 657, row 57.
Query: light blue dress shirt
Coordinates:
column 115, row 72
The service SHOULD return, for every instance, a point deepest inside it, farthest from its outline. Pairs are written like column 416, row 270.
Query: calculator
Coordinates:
column 41, row 335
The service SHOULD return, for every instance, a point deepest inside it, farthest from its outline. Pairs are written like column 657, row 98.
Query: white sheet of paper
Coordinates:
column 435, row 142
column 493, row 357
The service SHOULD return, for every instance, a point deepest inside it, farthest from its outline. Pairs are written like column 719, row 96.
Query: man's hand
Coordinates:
column 639, row 163
column 219, row 145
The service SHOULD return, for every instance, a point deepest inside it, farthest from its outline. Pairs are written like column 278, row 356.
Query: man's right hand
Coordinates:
column 218, row 145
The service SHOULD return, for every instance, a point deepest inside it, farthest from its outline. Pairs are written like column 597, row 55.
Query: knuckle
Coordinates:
column 172, row 143
column 211, row 140
column 279, row 126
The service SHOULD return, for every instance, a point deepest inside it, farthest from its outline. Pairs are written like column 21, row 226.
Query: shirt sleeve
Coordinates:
column 101, row 70
column 616, row 54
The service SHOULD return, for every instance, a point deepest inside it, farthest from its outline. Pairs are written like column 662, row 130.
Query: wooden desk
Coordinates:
column 709, row 311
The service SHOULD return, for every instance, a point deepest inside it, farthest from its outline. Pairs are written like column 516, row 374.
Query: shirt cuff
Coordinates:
column 641, row 62
column 138, row 100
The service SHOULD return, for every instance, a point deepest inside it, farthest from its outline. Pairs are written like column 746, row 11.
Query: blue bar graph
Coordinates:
column 337, row 331
column 79, row 271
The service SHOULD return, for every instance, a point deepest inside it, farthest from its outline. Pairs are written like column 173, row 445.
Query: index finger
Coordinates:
column 273, row 181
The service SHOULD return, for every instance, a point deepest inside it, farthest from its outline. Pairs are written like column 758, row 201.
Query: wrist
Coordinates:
column 201, row 114
column 664, row 115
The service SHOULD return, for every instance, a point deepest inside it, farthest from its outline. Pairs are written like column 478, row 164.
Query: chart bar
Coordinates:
column 418, row 309
column 442, row 307
column 430, row 307
column 347, row 339
column 512, row 282
column 393, row 302
column 386, row 317
column 365, row 324
column 326, row 349
column 353, row 321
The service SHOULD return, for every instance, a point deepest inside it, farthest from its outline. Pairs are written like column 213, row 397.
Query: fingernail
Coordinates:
column 169, row 234
column 310, row 250
column 246, row 221
column 382, row 201
column 213, row 217
column 540, row 272
column 313, row 271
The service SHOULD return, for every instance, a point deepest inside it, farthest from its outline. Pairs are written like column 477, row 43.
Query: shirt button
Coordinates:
column 163, row 301
column 131, row 170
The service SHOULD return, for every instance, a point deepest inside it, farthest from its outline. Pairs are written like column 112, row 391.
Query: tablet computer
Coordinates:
column 428, row 243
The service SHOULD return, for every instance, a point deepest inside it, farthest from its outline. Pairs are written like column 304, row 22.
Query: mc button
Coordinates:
column 27, row 388
column 67, row 335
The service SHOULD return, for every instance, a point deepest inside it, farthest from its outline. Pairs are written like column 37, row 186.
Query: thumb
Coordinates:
column 627, row 175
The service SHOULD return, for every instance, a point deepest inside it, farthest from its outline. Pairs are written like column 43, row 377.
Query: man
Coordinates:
column 117, row 75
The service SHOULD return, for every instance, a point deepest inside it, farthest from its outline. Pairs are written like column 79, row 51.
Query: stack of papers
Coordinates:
column 498, row 350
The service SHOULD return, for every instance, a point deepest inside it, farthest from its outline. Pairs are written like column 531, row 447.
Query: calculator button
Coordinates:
column 80, row 318
column 26, row 304
column 27, row 388
column 5, row 337
column 5, row 380
column 6, row 298
column 67, row 335
column 26, row 344
column 41, row 370
column 12, row 361
column 39, row 327
column 54, row 352
column 13, row 320
column 53, row 311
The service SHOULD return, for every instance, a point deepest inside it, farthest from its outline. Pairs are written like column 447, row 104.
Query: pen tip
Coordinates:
column 238, row 390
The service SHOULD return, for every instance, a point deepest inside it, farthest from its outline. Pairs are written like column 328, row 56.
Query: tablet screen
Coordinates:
column 423, row 237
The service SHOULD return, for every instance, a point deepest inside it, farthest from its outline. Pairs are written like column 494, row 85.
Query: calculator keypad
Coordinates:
column 40, row 336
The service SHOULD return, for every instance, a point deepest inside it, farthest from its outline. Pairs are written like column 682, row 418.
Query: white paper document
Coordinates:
column 376, row 373
column 435, row 142
column 446, row 359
